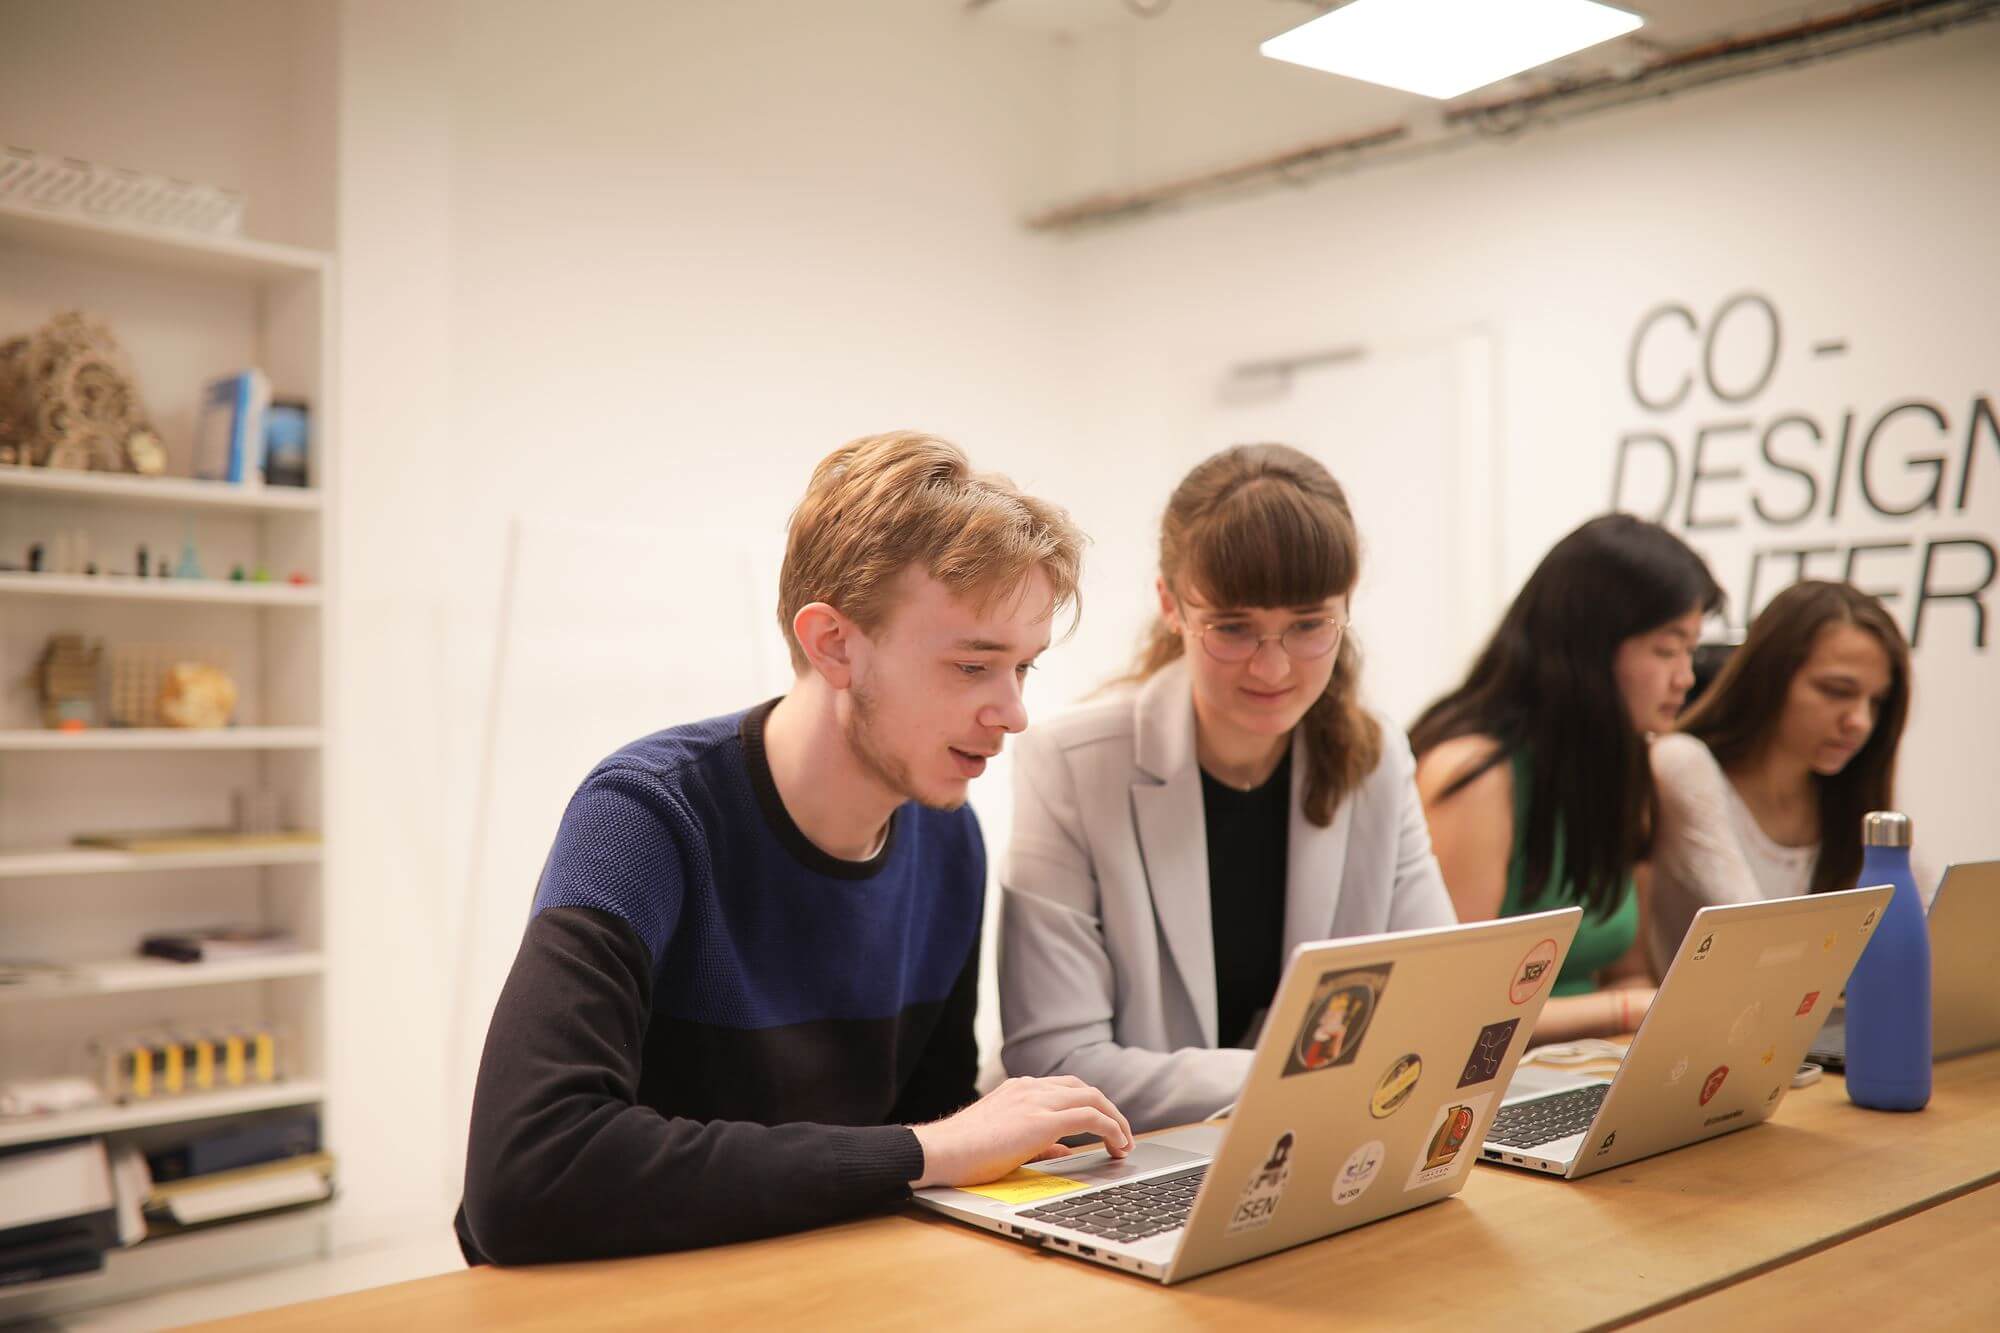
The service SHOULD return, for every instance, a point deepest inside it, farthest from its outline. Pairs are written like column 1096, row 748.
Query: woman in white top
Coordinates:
column 1763, row 786
column 1174, row 840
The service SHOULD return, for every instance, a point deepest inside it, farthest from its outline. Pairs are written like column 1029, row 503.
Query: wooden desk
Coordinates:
column 1511, row 1247
column 1933, row 1269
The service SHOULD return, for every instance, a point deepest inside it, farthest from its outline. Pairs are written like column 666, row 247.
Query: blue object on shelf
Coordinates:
column 229, row 434
column 287, row 442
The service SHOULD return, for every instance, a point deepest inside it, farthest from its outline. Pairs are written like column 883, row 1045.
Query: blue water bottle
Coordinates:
column 1889, row 995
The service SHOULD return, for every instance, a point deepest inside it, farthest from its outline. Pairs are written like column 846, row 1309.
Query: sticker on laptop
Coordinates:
column 1713, row 1083
column 1773, row 1097
column 1337, row 1018
column 1489, row 1052
column 1026, row 1185
column 1451, row 1134
column 1868, row 920
column 1678, row 1072
column 1398, row 1081
column 1770, row 1054
column 1832, row 938
column 1605, row 1146
column 1701, row 950
column 1533, row 971
column 1266, row 1187
column 1358, row 1172
column 1806, row 1005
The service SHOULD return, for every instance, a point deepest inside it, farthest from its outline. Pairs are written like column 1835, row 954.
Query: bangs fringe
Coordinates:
column 1271, row 544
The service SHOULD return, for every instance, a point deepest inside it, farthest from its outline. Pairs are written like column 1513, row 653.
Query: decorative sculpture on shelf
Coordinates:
column 66, row 679
column 197, row 695
column 68, row 400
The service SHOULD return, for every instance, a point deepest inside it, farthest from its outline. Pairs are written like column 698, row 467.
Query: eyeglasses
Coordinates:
column 1303, row 641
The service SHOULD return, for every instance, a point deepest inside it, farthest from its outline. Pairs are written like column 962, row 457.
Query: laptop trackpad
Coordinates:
column 1098, row 1167
column 1079, row 1171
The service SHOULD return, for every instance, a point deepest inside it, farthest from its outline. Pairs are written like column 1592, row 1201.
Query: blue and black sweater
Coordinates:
column 714, row 1030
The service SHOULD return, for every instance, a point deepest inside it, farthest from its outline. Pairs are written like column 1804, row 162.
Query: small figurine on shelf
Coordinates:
column 146, row 454
column 189, row 565
column 236, row 573
column 197, row 695
column 67, row 680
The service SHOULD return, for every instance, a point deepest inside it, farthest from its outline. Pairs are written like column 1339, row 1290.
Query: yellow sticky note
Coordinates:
column 1024, row 1186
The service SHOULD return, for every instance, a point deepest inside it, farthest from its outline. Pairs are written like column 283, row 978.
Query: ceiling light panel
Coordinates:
column 1446, row 48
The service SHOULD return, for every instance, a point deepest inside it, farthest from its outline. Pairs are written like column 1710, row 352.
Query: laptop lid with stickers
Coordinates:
column 1378, row 1070
column 1743, row 999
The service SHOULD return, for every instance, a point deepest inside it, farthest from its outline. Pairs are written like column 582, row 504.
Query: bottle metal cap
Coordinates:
column 1885, row 828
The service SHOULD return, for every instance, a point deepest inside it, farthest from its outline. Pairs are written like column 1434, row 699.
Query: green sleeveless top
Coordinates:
column 1600, row 941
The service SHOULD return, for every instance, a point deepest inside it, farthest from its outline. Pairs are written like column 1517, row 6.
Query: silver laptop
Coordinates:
column 1717, row 1048
column 1377, row 1069
column 1965, row 956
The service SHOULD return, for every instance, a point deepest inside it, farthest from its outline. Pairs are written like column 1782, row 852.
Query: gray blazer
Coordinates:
column 1107, row 959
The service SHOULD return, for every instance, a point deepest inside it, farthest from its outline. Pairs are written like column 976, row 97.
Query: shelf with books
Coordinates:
column 250, row 1245
column 185, row 308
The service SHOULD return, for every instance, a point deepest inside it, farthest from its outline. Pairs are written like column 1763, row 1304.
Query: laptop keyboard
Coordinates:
column 1127, row 1212
column 1541, row 1120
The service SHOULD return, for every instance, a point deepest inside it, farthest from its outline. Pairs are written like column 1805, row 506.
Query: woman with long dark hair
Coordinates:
column 1173, row 840
column 1763, row 789
column 1534, row 772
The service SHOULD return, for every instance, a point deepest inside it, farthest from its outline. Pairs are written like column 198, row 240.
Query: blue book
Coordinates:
column 229, row 433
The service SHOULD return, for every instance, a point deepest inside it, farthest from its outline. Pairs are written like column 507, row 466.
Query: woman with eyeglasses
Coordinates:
column 1534, row 771
column 1175, row 838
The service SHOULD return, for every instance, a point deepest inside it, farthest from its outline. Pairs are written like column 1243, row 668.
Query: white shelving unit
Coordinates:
column 102, row 861
column 161, row 738
column 189, row 1109
column 101, row 488
column 216, row 592
column 185, row 308
column 154, row 974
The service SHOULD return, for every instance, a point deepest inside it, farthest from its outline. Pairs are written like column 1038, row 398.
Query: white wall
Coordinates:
column 612, row 266
column 1858, row 195
column 233, row 93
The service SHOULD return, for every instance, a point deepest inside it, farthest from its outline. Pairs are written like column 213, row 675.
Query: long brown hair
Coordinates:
column 1740, row 713
column 1265, row 525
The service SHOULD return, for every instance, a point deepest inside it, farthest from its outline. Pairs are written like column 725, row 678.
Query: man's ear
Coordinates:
column 827, row 638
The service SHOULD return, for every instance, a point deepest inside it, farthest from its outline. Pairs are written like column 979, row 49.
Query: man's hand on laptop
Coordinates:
column 1022, row 1120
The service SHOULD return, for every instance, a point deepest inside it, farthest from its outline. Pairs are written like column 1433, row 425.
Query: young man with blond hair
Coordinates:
column 744, row 1001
